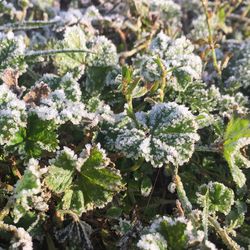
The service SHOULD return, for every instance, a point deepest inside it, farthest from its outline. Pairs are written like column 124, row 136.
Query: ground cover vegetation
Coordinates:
column 124, row 124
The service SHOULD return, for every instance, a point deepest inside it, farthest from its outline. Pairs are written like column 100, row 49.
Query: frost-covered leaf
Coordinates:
column 12, row 52
column 70, row 86
column 238, row 70
column 59, row 108
column 236, row 216
column 150, row 69
column 217, row 197
column 177, row 54
column 28, row 186
column 168, row 10
column 174, row 234
column 76, row 235
column 95, row 81
column 94, row 185
column 103, row 52
column 13, row 116
column 166, row 134
column 61, row 171
column 152, row 241
column 74, row 38
column 169, row 233
column 237, row 136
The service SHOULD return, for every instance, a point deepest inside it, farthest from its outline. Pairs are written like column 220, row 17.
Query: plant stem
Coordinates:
column 7, row 227
column 130, row 53
column 5, row 211
column 130, row 111
column 27, row 25
column 228, row 241
column 207, row 149
column 163, row 81
column 210, row 38
column 182, row 194
column 55, row 51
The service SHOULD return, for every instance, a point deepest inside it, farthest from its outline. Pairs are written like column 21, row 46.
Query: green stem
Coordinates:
column 228, row 241
column 182, row 194
column 55, row 51
column 205, row 215
column 130, row 111
column 163, row 81
column 210, row 38
column 27, row 25
column 207, row 149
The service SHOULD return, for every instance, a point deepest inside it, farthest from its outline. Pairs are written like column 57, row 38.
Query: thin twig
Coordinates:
column 150, row 196
column 210, row 38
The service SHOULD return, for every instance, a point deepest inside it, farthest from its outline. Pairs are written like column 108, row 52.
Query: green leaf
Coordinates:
column 41, row 135
column 174, row 234
column 217, row 197
column 61, row 171
column 87, row 182
column 236, row 137
column 114, row 212
column 95, row 81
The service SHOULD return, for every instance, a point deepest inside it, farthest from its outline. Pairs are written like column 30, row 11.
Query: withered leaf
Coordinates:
column 10, row 78
column 36, row 93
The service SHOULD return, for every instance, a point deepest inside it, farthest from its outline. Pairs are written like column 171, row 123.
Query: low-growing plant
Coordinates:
column 124, row 124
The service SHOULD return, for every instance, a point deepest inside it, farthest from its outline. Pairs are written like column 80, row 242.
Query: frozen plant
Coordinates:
column 103, row 52
column 12, row 115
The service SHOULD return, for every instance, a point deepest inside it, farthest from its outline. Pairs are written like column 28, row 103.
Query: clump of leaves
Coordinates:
column 124, row 124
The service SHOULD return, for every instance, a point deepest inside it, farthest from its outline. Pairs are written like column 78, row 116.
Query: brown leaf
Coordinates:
column 38, row 92
column 10, row 78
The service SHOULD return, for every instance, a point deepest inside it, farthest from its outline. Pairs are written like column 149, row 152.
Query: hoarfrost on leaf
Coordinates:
column 95, row 182
column 236, row 137
column 166, row 134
